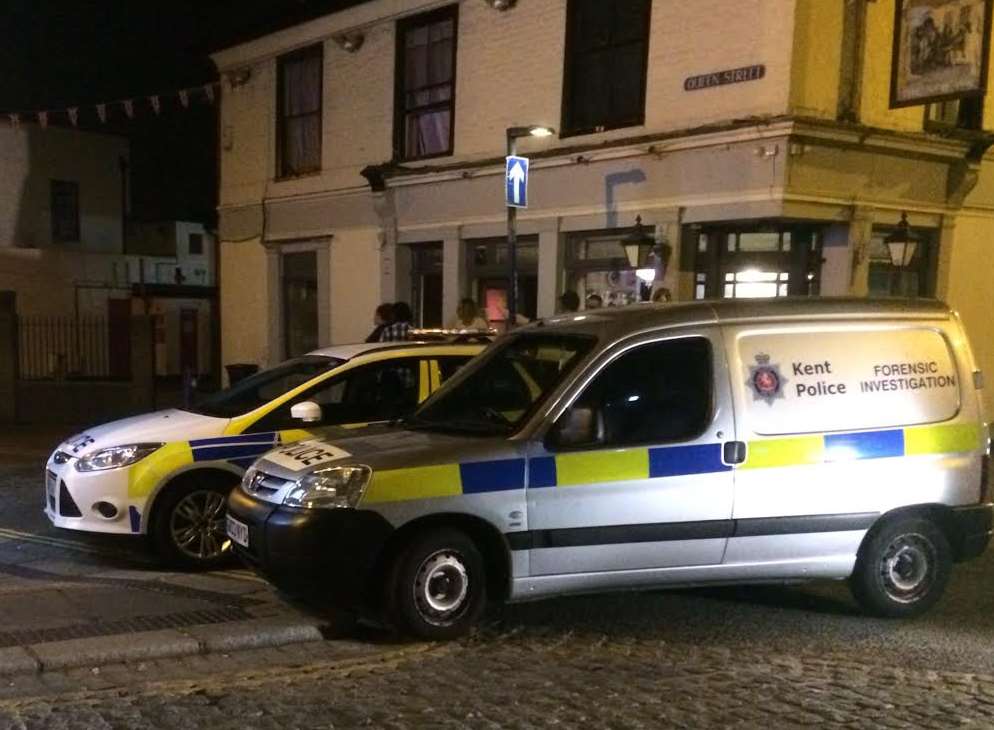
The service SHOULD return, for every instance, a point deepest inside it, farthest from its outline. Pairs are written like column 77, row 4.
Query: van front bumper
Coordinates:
column 331, row 552
column 971, row 528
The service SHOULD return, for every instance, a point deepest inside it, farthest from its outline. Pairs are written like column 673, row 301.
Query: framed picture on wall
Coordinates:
column 940, row 50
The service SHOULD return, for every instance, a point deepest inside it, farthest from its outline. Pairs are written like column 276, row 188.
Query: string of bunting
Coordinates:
column 103, row 110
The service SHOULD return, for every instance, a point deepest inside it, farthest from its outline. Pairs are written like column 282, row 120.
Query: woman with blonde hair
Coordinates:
column 468, row 317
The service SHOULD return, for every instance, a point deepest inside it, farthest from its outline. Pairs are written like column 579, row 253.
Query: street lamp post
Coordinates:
column 513, row 134
column 902, row 245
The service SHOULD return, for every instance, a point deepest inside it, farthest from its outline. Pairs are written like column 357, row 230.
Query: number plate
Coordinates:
column 238, row 531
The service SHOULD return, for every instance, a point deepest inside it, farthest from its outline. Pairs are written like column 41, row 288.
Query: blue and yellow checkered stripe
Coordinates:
column 599, row 467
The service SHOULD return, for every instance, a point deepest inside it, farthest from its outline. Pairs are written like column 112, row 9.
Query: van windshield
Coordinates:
column 496, row 393
column 261, row 388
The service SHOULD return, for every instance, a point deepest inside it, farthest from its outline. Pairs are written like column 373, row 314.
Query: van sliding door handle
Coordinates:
column 733, row 452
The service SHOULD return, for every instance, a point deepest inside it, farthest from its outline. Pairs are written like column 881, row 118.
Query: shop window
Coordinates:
column 298, row 106
column 65, row 211
column 917, row 280
column 426, row 81
column 965, row 113
column 426, row 284
column 300, row 303
column 604, row 268
column 606, row 58
column 487, row 269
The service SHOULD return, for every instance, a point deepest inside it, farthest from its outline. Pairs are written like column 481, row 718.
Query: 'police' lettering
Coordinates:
column 821, row 388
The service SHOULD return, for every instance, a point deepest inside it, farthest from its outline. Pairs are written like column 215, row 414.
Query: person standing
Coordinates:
column 569, row 302
column 382, row 318
column 468, row 317
column 400, row 328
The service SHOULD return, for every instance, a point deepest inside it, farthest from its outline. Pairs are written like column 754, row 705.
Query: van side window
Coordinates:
column 654, row 394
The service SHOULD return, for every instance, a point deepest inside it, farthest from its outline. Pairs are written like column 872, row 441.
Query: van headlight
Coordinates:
column 115, row 457
column 338, row 487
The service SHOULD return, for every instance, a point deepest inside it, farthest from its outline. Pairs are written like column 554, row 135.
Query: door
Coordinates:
column 632, row 474
column 188, row 335
column 119, row 337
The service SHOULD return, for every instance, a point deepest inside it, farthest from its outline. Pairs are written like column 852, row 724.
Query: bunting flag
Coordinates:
column 206, row 92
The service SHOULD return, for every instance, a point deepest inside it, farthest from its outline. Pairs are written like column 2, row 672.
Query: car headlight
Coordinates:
column 115, row 457
column 338, row 487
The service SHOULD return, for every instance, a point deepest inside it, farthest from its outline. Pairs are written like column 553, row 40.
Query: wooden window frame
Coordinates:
column 565, row 124
column 316, row 50
column 400, row 106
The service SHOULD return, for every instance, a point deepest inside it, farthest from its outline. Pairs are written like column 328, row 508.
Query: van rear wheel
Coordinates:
column 902, row 568
column 437, row 587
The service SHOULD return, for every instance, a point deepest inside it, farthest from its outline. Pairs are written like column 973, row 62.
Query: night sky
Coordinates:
column 60, row 53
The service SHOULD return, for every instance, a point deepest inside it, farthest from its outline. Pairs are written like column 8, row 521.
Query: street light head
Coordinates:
column 541, row 131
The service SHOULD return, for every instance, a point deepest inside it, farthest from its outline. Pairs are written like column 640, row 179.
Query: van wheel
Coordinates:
column 437, row 586
column 188, row 525
column 902, row 568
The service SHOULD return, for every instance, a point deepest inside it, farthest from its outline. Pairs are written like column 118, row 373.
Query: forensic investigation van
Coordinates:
column 655, row 445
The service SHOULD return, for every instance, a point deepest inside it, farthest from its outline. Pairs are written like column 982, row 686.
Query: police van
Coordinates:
column 703, row 443
column 167, row 474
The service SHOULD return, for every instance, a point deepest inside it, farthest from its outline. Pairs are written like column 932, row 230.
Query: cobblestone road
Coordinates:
column 517, row 680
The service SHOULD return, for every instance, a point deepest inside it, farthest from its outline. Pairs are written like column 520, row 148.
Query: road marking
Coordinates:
column 29, row 537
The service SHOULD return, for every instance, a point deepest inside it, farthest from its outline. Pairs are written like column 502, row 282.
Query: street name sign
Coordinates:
column 516, row 182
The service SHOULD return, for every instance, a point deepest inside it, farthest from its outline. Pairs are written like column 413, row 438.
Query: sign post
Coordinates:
column 515, row 196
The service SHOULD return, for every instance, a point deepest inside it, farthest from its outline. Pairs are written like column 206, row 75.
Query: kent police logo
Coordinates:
column 766, row 380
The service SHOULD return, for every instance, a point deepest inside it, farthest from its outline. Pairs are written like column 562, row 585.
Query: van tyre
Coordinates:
column 902, row 568
column 437, row 586
column 188, row 525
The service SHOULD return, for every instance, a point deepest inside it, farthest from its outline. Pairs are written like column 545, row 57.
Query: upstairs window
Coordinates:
column 426, row 82
column 298, row 123
column 65, row 211
column 965, row 113
column 607, row 46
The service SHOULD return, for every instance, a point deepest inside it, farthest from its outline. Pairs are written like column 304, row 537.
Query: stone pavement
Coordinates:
column 70, row 599
column 517, row 679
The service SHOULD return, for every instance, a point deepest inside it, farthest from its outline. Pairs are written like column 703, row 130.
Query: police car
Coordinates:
column 714, row 442
column 167, row 474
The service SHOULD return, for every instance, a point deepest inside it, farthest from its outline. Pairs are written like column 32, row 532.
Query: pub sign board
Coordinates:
column 723, row 78
column 940, row 50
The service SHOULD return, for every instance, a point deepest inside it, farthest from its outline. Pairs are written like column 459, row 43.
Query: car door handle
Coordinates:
column 733, row 452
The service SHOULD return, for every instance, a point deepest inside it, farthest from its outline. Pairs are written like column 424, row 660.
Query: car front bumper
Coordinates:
column 332, row 552
column 71, row 499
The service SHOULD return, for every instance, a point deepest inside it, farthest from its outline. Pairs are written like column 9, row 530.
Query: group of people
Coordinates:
column 392, row 321
column 570, row 300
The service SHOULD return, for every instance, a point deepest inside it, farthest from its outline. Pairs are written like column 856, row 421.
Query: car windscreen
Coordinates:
column 501, row 389
column 257, row 390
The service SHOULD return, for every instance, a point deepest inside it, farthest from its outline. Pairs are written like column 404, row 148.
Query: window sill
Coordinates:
column 298, row 176
column 601, row 129
column 437, row 155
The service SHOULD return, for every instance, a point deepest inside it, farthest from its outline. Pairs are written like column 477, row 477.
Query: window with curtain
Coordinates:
column 607, row 47
column 426, row 79
column 299, row 112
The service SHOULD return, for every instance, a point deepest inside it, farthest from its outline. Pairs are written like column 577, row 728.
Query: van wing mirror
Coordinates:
column 579, row 426
column 308, row 411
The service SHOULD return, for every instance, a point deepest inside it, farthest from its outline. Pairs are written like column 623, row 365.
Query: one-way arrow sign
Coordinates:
column 516, row 182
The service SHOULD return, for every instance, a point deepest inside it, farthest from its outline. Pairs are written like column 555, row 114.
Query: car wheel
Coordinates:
column 188, row 527
column 437, row 588
column 902, row 568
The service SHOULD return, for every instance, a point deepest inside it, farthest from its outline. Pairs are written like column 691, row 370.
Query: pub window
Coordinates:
column 426, row 80
column 300, row 303
column 65, row 211
column 487, row 276
column 965, row 113
column 607, row 47
column 917, row 280
column 298, row 124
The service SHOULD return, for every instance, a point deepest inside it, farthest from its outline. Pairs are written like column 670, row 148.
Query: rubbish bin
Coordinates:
column 240, row 370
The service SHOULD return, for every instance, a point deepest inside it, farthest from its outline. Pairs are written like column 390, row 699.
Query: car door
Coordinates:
column 632, row 475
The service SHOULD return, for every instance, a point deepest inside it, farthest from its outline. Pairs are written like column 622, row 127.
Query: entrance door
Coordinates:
column 632, row 474
column 188, row 336
column 119, row 337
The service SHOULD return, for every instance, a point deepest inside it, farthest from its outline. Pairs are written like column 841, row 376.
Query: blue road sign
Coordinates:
column 516, row 182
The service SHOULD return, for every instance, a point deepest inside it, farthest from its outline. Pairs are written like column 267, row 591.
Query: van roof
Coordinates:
column 622, row 320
